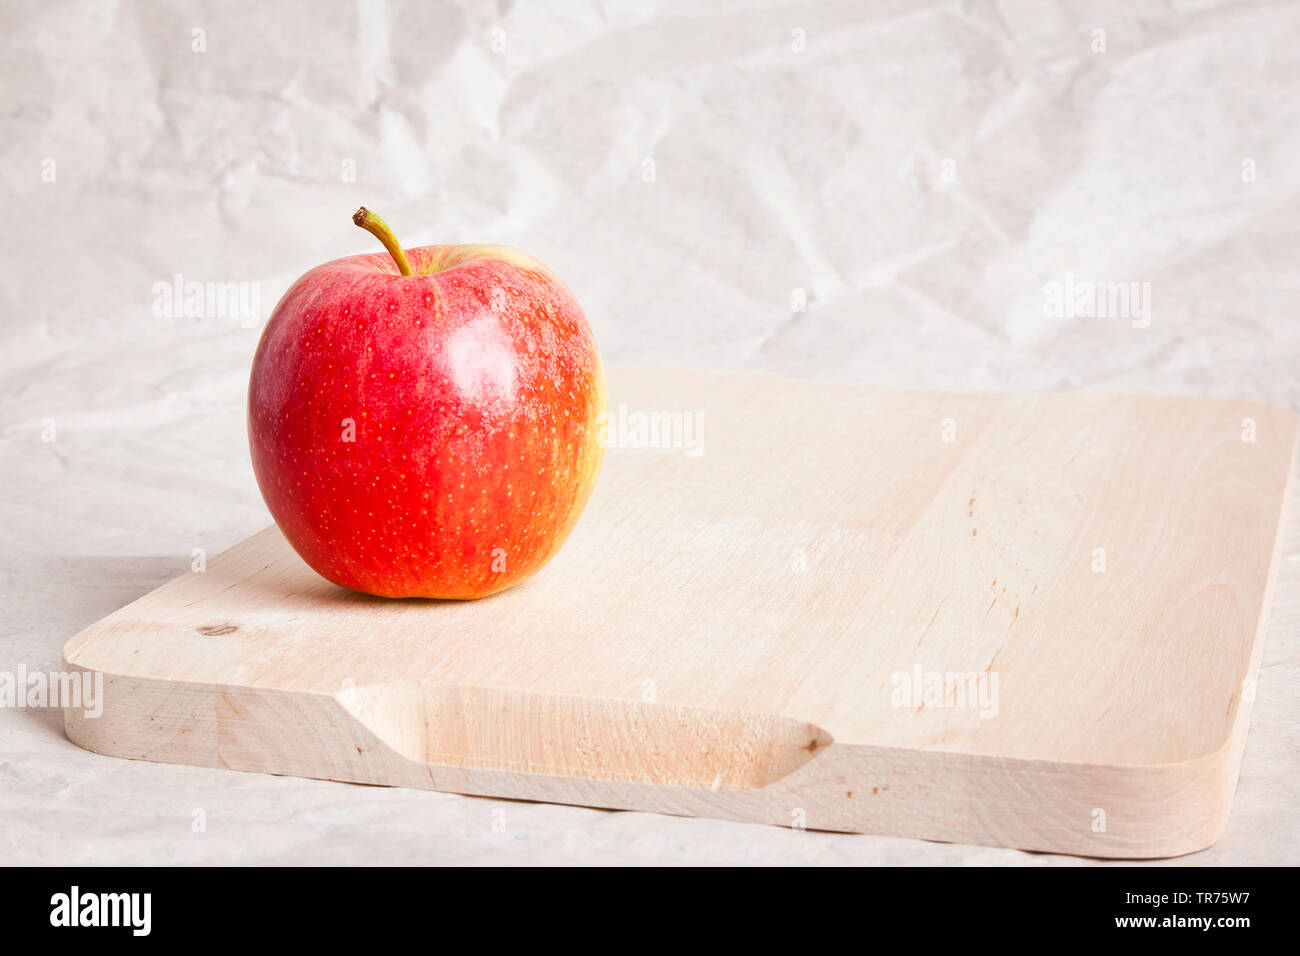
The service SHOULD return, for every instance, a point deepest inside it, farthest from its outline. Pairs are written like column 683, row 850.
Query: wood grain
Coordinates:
column 735, row 628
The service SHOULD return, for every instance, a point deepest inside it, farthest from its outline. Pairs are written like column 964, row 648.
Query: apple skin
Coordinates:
column 473, row 389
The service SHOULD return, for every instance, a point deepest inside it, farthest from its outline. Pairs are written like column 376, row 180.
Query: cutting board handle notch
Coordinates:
column 576, row 735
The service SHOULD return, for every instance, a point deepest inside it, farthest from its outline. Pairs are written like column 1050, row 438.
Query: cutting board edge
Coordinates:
column 1054, row 394
column 1153, row 811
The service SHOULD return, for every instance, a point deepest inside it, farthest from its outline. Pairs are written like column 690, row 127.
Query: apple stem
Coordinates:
column 372, row 224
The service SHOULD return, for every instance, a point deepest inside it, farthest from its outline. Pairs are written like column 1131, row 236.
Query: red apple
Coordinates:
column 426, row 427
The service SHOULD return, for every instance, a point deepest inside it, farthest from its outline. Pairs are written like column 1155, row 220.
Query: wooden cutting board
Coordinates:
column 1028, row 621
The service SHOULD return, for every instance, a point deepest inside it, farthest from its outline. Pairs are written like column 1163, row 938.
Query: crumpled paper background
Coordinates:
column 875, row 193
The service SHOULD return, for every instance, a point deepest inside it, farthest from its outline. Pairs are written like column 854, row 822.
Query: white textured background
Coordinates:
column 775, row 169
